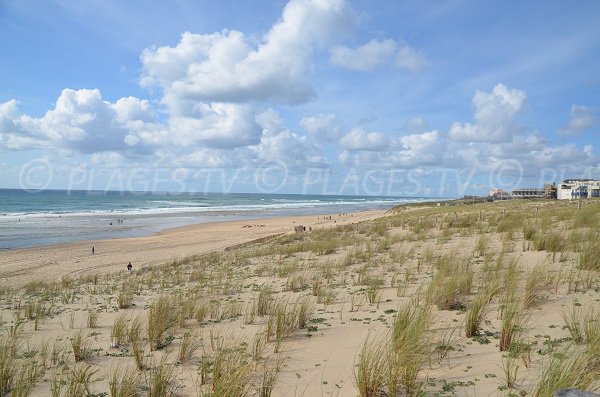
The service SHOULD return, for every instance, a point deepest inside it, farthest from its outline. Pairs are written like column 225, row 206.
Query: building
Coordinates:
column 578, row 188
column 499, row 194
column 528, row 192
column 548, row 191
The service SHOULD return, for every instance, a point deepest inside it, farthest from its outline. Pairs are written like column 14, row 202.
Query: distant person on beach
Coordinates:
column 93, row 250
column 129, row 267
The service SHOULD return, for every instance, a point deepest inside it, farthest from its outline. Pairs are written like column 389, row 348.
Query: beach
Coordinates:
column 50, row 263
column 451, row 300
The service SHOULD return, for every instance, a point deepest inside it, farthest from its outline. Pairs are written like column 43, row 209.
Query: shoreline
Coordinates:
column 19, row 266
column 43, row 229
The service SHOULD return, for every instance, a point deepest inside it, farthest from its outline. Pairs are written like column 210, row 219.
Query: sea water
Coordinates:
column 58, row 216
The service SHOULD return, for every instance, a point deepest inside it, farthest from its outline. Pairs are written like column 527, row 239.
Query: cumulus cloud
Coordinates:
column 289, row 148
column 220, row 125
column 494, row 116
column 322, row 127
column 81, row 121
column 582, row 118
column 378, row 52
column 227, row 67
column 359, row 139
column 377, row 150
column 213, row 85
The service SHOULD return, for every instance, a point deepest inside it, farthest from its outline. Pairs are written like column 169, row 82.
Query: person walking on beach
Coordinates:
column 129, row 267
column 93, row 250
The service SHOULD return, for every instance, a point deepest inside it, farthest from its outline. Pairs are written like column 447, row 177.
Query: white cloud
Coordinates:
column 365, row 57
column 582, row 118
column 81, row 121
column 220, row 125
column 322, row 127
column 226, row 67
column 494, row 116
column 213, row 84
column 378, row 52
column 296, row 151
column 270, row 122
column 377, row 150
column 359, row 139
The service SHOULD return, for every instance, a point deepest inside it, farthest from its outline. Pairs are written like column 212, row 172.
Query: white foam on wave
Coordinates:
column 177, row 208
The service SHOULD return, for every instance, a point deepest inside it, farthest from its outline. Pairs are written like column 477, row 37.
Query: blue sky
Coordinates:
column 422, row 98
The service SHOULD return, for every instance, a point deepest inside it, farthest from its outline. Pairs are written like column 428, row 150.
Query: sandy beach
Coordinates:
column 50, row 263
column 458, row 300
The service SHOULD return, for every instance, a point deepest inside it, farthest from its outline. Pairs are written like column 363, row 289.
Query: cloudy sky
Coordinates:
column 420, row 98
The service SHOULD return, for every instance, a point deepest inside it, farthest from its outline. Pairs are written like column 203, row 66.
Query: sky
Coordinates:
column 400, row 98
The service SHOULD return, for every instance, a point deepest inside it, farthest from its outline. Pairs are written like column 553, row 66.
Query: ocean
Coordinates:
column 29, row 219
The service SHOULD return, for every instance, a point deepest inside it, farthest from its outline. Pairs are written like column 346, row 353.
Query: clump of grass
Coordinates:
column 231, row 371
column 81, row 346
column 369, row 375
column 444, row 344
column 373, row 290
column 123, row 383
column 190, row 343
column 258, row 345
column 582, row 323
column 268, row 375
column 27, row 375
column 588, row 217
column 411, row 343
column 137, row 346
column 529, row 233
column 59, row 354
column 510, row 369
column 588, row 257
column 482, row 245
column 118, row 332
column 296, row 282
column 79, row 381
column 551, row 242
column 514, row 319
column 282, row 322
column 201, row 311
column 124, row 298
column 137, row 351
column 451, row 284
column 7, row 368
column 535, row 284
column 305, row 309
column 573, row 367
column 509, row 223
column 161, row 379
column 92, row 318
column 477, row 309
column 263, row 302
column 161, row 317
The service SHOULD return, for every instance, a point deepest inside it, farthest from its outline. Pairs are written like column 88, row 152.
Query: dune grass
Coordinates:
column 417, row 275
column 370, row 372
column 161, row 317
column 477, row 309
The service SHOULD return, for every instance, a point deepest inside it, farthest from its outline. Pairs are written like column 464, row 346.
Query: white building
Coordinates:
column 578, row 188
